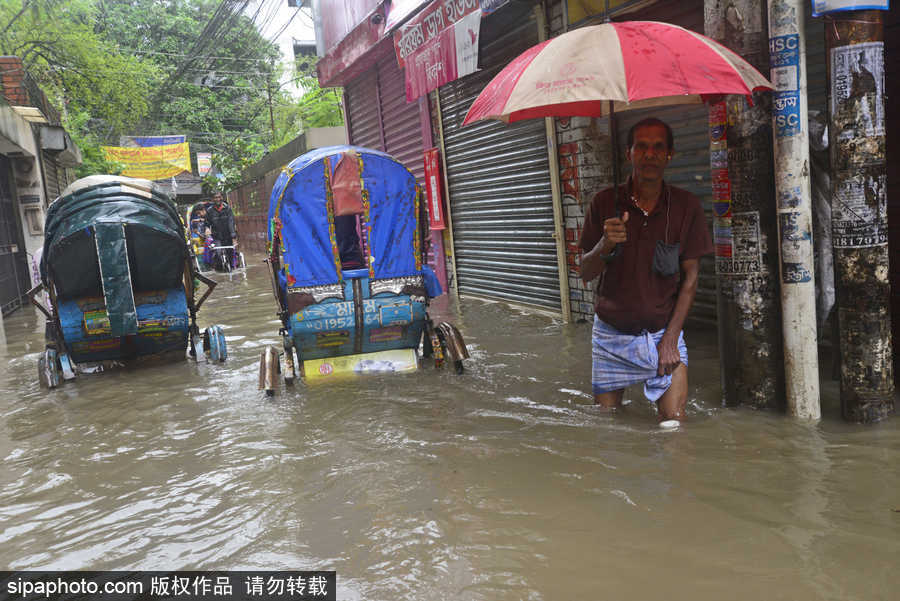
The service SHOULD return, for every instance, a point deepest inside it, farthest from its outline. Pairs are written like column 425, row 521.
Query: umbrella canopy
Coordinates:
column 632, row 64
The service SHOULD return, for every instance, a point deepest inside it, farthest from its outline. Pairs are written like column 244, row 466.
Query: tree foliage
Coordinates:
column 155, row 67
column 93, row 159
column 216, row 67
column 239, row 155
column 77, row 67
column 318, row 107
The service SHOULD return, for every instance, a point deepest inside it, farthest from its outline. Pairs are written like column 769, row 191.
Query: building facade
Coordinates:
column 36, row 157
column 516, row 194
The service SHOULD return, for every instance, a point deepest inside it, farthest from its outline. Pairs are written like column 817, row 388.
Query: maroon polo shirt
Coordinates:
column 632, row 297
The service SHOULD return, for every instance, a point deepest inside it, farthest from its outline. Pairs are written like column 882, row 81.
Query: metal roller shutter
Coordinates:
column 67, row 177
column 52, row 175
column 363, row 116
column 499, row 186
column 381, row 119
column 402, row 131
column 14, row 275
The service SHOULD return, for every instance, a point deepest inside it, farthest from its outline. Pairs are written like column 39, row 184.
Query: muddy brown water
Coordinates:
column 500, row 484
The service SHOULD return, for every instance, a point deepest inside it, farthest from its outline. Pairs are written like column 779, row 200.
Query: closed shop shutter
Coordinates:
column 381, row 119
column 363, row 112
column 499, row 184
column 403, row 139
column 52, row 175
column 402, row 130
column 69, row 178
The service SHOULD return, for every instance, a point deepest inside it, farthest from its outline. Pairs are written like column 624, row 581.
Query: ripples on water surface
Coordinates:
column 500, row 484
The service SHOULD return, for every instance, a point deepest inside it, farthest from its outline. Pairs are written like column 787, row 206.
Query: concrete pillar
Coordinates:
column 744, row 218
column 855, row 47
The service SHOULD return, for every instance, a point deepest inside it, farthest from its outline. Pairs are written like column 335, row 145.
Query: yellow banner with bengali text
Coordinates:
column 582, row 9
column 151, row 162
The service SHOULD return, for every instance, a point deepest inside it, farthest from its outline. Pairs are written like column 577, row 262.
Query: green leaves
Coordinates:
column 93, row 160
column 57, row 42
column 237, row 156
column 320, row 107
column 156, row 67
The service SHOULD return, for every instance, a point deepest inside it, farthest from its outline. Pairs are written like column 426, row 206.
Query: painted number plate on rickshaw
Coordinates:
column 397, row 360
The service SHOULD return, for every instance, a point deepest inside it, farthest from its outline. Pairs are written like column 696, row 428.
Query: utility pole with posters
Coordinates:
column 744, row 218
column 854, row 42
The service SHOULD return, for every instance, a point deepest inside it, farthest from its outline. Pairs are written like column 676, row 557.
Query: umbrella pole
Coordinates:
column 613, row 138
column 614, row 141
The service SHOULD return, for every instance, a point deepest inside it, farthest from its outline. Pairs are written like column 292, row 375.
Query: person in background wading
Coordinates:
column 643, row 241
column 220, row 221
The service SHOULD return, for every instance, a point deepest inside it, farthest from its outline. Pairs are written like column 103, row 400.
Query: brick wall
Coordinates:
column 585, row 165
column 251, row 232
column 12, row 74
column 250, row 204
column 20, row 89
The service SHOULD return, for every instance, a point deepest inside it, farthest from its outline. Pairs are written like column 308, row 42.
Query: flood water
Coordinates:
column 500, row 484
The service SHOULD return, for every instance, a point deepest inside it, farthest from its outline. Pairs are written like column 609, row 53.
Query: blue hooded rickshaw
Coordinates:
column 347, row 251
column 120, row 280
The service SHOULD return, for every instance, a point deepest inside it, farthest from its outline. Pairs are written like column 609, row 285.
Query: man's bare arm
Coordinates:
column 669, row 358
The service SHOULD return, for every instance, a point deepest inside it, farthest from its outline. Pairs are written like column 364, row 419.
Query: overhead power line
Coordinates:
column 182, row 54
column 224, row 13
column 285, row 26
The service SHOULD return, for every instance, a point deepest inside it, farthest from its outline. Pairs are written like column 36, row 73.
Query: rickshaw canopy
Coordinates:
column 111, row 237
column 302, row 212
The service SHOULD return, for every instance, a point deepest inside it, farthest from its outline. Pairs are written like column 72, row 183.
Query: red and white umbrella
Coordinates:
column 631, row 64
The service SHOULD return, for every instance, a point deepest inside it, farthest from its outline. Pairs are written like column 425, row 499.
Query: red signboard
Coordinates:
column 428, row 24
column 449, row 56
column 433, row 190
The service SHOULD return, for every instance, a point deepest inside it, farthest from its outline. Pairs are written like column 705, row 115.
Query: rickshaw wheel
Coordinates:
column 195, row 344
column 427, row 349
column 48, row 369
column 289, row 371
column 214, row 344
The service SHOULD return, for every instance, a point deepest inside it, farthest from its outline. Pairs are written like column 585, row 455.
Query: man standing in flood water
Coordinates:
column 644, row 241
column 221, row 224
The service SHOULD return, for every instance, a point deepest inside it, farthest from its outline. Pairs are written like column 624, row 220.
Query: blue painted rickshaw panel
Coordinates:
column 329, row 329
column 162, row 318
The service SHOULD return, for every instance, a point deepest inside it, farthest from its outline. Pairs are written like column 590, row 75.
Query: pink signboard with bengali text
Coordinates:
column 443, row 57
column 428, row 25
